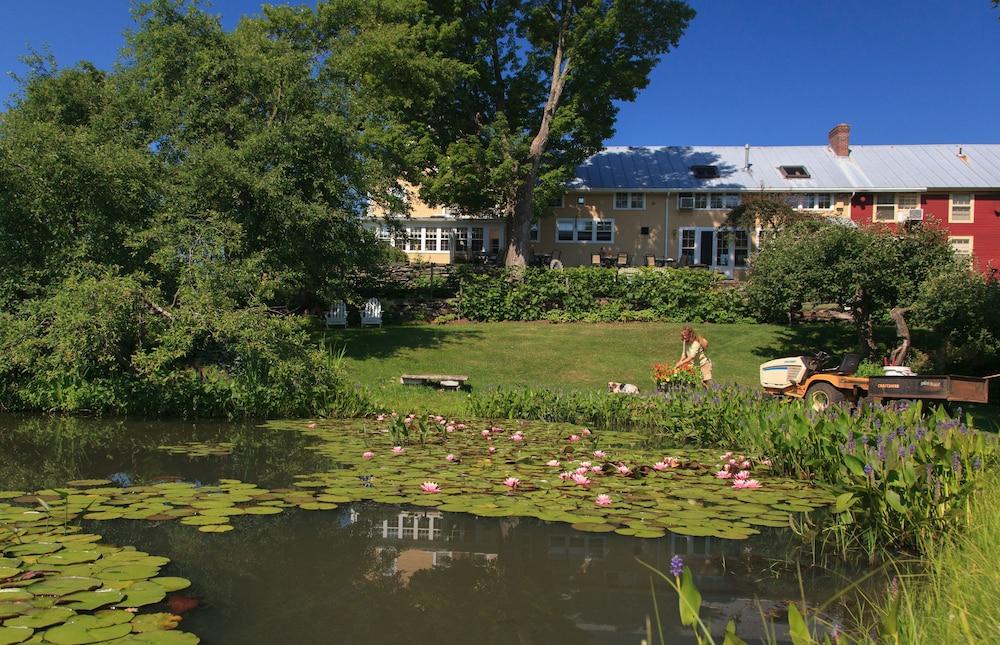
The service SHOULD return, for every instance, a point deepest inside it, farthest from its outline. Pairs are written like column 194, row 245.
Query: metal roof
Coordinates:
column 882, row 167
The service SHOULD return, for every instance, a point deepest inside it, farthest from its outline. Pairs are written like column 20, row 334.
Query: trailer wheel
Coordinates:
column 820, row 396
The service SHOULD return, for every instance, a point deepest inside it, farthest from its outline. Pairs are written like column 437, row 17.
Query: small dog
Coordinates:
column 622, row 388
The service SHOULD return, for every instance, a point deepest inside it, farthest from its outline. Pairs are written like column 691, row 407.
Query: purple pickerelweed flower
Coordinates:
column 877, row 424
column 912, row 449
column 894, row 588
column 880, row 444
column 868, row 470
column 850, row 442
column 676, row 566
column 901, row 451
column 921, row 432
column 977, row 463
column 956, row 464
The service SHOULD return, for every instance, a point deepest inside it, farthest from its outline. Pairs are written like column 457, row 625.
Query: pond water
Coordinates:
column 367, row 572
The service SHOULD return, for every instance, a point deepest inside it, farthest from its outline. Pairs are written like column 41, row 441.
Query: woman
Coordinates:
column 693, row 349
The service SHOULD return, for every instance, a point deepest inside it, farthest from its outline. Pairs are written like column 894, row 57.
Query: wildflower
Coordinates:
column 574, row 437
column 624, row 470
column 746, row 483
column 672, row 462
column 745, row 464
column 581, row 479
column 552, row 462
column 585, row 464
column 901, row 451
column 603, row 500
column 766, row 462
column 583, row 470
column 398, row 450
column 566, row 475
column 460, row 426
column 492, row 449
column 676, row 566
column 380, row 417
column 743, row 474
column 912, row 449
column 868, row 470
column 512, row 482
column 596, row 469
column 660, row 466
column 977, row 463
column 449, row 428
column 727, row 455
column 485, row 433
column 368, row 454
column 599, row 454
column 956, row 464
column 451, row 457
column 517, row 437
column 723, row 474
column 585, row 432
column 311, row 425
column 430, row 487
column 496, row 429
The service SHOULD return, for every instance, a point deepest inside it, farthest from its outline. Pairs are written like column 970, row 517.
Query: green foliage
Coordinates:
column 598, row 295
column 869, row 368
column 869, row 270
column 101, row 344
column 767, row 211
column 960, row 307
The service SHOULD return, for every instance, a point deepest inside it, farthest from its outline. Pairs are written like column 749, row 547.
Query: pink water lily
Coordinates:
column 566, row 475
column 743, row 474
column 460, row 426
column 430, row 487
column 623, row 469
column 485, row 433
column 603, row 500
column 492, row 449
column 585, row 432
column 398, row 450
column 746, row 483
column 723, row 474
column 496, row 429
column 552, row 462
column 766, row 462
column 746, row 464
column 368, row 454
column 380, row 417
column 660, row 466
column 574, row 437
column 517, row 436
column 596, row 469
column 585, row 464
column 600, row 454
column 451, row 457
column 311, row 425
column 727, row 455
column 583, row 470
column 512, row 482
column 583, row 480
column 449, row 428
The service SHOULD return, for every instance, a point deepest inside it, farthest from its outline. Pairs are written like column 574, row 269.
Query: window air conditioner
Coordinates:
column 915, row 215
column 686, row 203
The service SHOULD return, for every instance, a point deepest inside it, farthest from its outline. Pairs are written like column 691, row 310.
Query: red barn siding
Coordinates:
column 985, row 229
column 861, row 208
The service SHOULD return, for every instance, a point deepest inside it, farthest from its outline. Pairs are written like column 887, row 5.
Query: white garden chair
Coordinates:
column 337, row 316
column 371, row 313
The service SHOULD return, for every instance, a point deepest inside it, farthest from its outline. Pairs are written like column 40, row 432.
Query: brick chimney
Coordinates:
column 840, row 140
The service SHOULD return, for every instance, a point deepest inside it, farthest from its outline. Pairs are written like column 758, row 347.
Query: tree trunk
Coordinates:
column 523, row 211
column 898, row 356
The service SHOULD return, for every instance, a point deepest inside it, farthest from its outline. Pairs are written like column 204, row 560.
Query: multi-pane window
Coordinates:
column 961, row 245
column 630, row 201
column 431, row 239
column 907, row 201
column 495, row 245
column 688, row 238
column 885, row 207
column 558, row 201
column 413, row 240
column 722, row 248
column 811, row 201
column 961, row 208
column 461, row 239
column 741, row 248
column 585, row 230
column 478, row 245
column 708, row 201
column 444, row 236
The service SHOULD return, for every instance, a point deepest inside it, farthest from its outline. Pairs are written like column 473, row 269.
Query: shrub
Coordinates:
column 598, row 295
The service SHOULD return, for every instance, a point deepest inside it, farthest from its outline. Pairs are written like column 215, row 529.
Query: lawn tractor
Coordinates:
column 804, row 377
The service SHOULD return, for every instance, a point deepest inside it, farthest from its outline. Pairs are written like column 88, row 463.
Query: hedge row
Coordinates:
column 601, row 295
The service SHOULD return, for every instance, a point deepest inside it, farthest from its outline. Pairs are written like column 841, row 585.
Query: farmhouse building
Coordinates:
column 670, row 203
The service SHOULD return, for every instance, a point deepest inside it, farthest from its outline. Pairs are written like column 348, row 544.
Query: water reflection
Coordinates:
column 376, row 574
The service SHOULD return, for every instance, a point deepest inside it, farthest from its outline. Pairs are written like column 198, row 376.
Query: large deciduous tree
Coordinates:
column 540, row 95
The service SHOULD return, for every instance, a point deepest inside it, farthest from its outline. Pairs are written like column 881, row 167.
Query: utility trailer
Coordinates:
column 803, row 377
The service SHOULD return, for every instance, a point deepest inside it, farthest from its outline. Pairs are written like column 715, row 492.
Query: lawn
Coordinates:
column 570, row 356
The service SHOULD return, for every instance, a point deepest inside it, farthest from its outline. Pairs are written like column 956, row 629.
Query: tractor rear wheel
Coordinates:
column 822, row 395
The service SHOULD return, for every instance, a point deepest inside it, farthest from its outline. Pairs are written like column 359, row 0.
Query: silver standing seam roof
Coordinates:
column 882, row 167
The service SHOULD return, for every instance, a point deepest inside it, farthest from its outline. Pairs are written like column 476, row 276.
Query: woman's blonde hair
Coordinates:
column 688, row 330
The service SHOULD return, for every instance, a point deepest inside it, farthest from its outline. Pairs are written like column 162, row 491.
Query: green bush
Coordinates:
column 599, row 295
column 99, row 344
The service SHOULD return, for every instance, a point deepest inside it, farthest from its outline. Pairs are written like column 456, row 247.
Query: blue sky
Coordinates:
column 766, row 72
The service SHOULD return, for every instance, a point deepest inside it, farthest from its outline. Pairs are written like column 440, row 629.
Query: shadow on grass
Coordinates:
column 808, row 338
column 385, row 342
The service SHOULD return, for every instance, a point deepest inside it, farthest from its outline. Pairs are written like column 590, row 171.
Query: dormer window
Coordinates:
column 705, row 172
column 794, row 172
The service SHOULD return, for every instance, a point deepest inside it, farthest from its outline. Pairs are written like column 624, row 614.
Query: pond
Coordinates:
column 364, row 571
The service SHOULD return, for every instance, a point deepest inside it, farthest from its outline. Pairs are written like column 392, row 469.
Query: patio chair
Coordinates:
column 337, row 316
column 595, row 259
column 650, row 260
column 371, row 313
column 622, row 260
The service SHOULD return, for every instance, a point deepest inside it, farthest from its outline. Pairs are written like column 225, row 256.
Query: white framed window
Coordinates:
column 557, row 202
column 962, row 245
column 688, row 240
column 585, row 230
column 478, row 244
column 907, row 202
column 534, row 232
column 960, row 208
column 722, row 240
column 811, row 201
column 431, row 236
column 462, row 239
column 630, row 201
column 444, row 237
column 741, row 248
column 885, row 207
column 708, row 201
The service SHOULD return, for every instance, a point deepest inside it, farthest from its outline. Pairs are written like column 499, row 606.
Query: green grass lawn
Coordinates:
column 569, row 356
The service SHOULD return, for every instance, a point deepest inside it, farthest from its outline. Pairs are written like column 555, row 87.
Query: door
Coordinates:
column 706, row 247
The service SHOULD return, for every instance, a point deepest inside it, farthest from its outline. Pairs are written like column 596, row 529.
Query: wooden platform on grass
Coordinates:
column 445, row 381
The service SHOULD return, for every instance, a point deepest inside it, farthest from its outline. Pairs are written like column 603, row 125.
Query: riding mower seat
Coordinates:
column 848, row 365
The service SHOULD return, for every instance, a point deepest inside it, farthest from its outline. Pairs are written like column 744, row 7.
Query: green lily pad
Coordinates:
column 41, row 618
column 172, row 583
column 83, row 630
column 12, row 635
column 91, row 600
